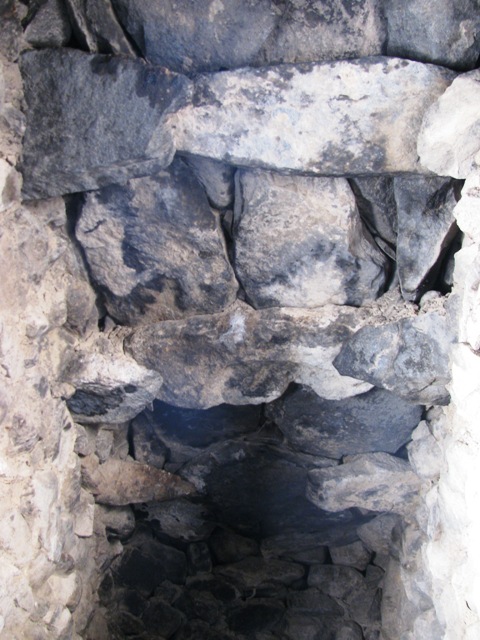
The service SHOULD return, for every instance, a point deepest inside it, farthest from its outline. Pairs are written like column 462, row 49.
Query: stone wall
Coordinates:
column 239, row 367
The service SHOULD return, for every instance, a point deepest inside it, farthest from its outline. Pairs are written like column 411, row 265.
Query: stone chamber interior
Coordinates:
column 239, row 335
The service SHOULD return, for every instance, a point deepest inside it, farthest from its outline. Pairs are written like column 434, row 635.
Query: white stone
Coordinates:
column 448, row 141
column 84, row 515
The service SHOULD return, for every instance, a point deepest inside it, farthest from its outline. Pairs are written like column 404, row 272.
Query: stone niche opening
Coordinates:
column 240, row 336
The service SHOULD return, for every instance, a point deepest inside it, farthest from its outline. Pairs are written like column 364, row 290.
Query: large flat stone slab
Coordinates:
column 244, row 356
column 374, row 481
column 299, row 242
column 94, row 120
column 198, row 36
column 372, row 421
column 337, row 118
column 155, row 248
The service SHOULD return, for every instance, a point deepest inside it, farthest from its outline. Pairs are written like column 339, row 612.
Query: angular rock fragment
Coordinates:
column 373, row 481
column 121, row 482
column 409, row 357
column 426, row 226
column 74, row 96
column 354, row 555
column 180, row 434
column 377, row 534
column 258, row 573
column 312, row 601
column 445, row 33
column 199, row 36
column 312, row 627
column 97, row 28
column 109, row 386
column 299, row 242
column 337, row 118
column 334, row 30
column 448, row 141
column 49, row 26
column 376, row 203
column 155, row 248
column 180, row 519
column 216, row 177
column 244, row 356
column 372, row 421
column 229, row 547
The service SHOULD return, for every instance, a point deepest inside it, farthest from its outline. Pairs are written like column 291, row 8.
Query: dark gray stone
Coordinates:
column 268, row 117
column 409, row 357
column 155, row 249
column 258, row 573
column 376, row 203
column 426, row 226
column 257, row 615
column 260, row 491
column 298, row 546
column 179, row 434
column 198, row 36
column 199, row 558
column 299, row 242
column 373, row 421
column 445, row 33
column 216, row 177
column 374, row 481
column 49, row 26
column 159, row 616
column 180, row 519
column 72, row 95
column 312, row 601
column 228, row 547
column 200, row 630
column 96, row 27
column 354, row 555
column 243, row 356
column 323, row 627
column 313, row 30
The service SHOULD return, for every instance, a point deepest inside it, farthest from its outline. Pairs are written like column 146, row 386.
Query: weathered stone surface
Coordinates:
column 96, row 27
column 260, row 491
column 297, row 546
column 160, row 616
column 312, row 601
column 109, row 386
column 259, row 573
column 155, row 248
column 183, row 433
column 354, row 555
column 229, row 547
column 376, row 203
column 426, row 226
column 409, row 357
column 377, row 534
column 373, row 421
column 65, row 91
column 448, row 139
column 118, row 521
column 49, row 26
column 180, row 519
column 374, row 481
column 299, row 242
column 270, row 117
column 216, row 177
column 207, row 36
column 334, row 30
column 447, row 33
column 311, row 627
column 245, row 356
column 121, row 482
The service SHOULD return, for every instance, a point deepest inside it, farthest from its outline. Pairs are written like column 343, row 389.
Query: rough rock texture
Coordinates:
column 299, row 242
column 216, row 177
column 121, row 482
column 373, row 481
column 373, row 421
column 376, row 203
column 270, row 117
column 448, row 138
column 105, row 384
column 96, row 27
column 49, row 26
column 310, row 31
column 65, row 91
column 206, row 36
column 426, row 228
column 447, row 33
column 244, row 356
column 155, row 248
column 409, row 357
